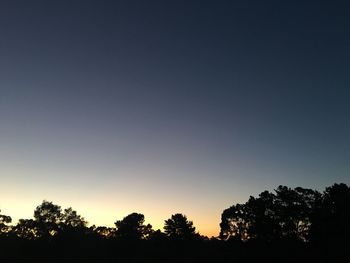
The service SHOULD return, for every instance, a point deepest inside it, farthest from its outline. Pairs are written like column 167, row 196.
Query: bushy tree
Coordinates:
column 285, row 214
column 179, row 227
column 102, row 231
column 27, row 229
column 70, row 218
column 294, row 208
column 330, row 221
column 51, row 221
column 234, row 223
column 4, row 221
column 48, row 217
column 132, row 227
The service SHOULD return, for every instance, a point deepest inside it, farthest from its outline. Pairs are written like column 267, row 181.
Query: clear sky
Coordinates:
column 160, row 107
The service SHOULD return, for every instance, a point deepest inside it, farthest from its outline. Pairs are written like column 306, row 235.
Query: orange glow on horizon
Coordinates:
column 104, row 214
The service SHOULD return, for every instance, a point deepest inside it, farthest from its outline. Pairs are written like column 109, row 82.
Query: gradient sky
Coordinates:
column 160, row 107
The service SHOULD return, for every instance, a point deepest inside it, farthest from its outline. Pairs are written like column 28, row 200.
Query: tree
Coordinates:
column 157, row 236
column 262, row 217
column 294, row 208
column 283, row 215
column 4, row 220
column 178, row 227
column 102, row 231
column 48, row 217
column 254, row 219
column 72, row 225
column 330, row 221
column 234, row 223
column 51, row 221
column 70, row 218
column 48, row 212
column 27, row 229
column 132, row 227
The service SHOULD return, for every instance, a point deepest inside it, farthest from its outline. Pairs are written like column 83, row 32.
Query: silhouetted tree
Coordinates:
column 254, row 219
column 234, row 223
column 71, row 225
column 48, row 212
column 157, row 236
column 302, row 223
column 294, row 210
column 262, row 217
column 27, row 229
column 286, row 214
column 132, row 227
column 48, row 217
column 70, row 218
column 104, row 232
column 4, row 221
column 178, row 227
column 51, row 221
column 331, row 218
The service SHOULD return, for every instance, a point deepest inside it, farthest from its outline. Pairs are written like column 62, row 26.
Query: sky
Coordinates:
column 164, row 107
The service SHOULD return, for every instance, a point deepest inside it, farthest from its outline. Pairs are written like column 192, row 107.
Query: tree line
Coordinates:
column 50, row 221
column 299, row 213
column 315, row 224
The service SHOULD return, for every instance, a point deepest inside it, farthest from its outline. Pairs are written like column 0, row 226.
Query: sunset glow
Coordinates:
column 169, row 107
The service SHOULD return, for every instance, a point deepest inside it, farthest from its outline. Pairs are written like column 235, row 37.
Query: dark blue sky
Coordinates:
column 170, row 106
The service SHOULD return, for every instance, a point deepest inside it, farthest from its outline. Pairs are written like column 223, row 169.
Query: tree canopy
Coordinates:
column 314, row 225
column 179, row 227
column 4, row 221
column 132, row 227
column 49, row 220
column 299, row 214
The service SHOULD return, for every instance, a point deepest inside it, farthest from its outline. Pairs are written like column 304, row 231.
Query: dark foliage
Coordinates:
column 132, row 227
column 285, row 214
column 288, row 225
column 178, row 227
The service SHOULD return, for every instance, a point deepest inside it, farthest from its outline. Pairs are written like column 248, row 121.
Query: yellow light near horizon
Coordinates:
column 103, row 216
column 102, row 207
